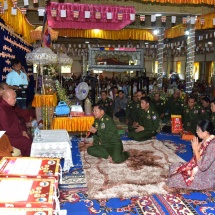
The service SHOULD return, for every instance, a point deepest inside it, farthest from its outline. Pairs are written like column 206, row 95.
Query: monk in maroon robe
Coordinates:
column 9, row 122
column 25, row 115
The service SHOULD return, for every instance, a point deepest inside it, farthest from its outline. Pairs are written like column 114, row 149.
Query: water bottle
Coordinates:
column 37, row 134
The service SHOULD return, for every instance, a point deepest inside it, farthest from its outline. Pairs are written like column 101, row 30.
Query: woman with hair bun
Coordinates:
column 199, row 172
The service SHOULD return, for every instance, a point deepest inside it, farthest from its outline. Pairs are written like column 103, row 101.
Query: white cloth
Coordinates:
column 54, row 143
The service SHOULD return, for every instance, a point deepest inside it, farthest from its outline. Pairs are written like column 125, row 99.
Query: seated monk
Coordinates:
column 9, row 122
column 6, row 150
column 25, row 115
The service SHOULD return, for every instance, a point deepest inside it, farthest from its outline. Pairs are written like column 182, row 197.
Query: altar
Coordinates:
column 73, row 123
column 44, row 107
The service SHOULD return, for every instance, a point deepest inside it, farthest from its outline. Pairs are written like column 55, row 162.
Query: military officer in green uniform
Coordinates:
column 158, row 104
column 147, row 123
column 212, row 118
column 107, row 103
column 173, row 106
column 130, row 109
column 192, row 114
column 206, row 105
column 133, row 108
column 106, row 139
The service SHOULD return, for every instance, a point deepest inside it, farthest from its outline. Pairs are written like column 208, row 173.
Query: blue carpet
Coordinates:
column 184, row 147
column 74, row 198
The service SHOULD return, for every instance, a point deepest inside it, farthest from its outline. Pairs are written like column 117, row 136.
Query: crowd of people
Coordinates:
column 143, row 114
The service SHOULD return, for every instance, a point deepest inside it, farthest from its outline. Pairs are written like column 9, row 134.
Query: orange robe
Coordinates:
column 5, row 148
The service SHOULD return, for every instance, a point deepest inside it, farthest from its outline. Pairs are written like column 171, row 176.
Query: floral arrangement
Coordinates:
column 61, row 92
column 50, row 70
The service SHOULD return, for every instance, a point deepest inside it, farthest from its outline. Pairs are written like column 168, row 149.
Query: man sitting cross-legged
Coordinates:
column 106, row 139
column 10, row 123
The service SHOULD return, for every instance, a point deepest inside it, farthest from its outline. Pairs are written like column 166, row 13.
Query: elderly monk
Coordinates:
column 10, row 123
column 25, row 115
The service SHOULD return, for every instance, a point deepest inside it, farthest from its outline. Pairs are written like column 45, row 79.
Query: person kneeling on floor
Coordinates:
column 147, row 123
column 106, row 139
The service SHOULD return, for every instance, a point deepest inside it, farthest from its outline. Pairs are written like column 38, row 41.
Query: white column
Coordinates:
column 84, row 71
column 160, row 58
column 190, row 58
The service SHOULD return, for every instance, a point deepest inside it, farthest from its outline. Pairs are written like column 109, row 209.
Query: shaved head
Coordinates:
column 1, row 91
column 9, row 96
column 4, row 85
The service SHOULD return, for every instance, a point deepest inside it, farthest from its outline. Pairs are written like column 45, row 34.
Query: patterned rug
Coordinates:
column 74, row 196
column 142, row 174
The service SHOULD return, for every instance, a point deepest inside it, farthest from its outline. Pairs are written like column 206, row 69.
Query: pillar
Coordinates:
column 190, row 58
column 160, row 58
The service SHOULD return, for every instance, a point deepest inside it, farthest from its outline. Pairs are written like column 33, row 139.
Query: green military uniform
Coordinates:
column 130, row 112
column 150, row 121
column 212, row 118
column 159, row 106
column 106, row 141
column 109, row 106
column 172, row 107
column 208, row 111
column 191, row 117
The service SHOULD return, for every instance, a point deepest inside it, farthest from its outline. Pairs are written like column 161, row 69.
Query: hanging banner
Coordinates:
column 120, row 16
column 54, row 12
column 87, row 14
column 202, row 21
column 23, row 10
column 13, row 46
column 109, row 15
column 163, row 19
column 98, row 15
column 142, row 18
column 173, row 19
column 76, row 14
column 184, row 20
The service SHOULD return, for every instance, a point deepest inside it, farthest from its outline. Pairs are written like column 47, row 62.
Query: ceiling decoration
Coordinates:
column 183, row 2
column 133, row 37
column 37, row 34
column 87, row 16
column 125, row 34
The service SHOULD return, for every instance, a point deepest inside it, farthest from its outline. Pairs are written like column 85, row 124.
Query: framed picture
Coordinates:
column 116, row 59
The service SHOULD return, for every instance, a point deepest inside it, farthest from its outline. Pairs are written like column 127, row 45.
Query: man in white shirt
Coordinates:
column 18, row 80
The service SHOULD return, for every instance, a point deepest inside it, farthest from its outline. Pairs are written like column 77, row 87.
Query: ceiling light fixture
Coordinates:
column 156, row 32
column 187, row 32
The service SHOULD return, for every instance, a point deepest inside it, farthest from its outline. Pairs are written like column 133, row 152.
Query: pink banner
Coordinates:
column 91, row 21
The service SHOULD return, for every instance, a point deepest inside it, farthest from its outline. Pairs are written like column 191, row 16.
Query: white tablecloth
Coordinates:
column 54, row 143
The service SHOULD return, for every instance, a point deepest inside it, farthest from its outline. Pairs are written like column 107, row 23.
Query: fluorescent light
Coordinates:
column 87, row 42
column 158, row 14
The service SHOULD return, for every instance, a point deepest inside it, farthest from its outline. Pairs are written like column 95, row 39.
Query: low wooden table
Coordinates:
column 73, row 124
